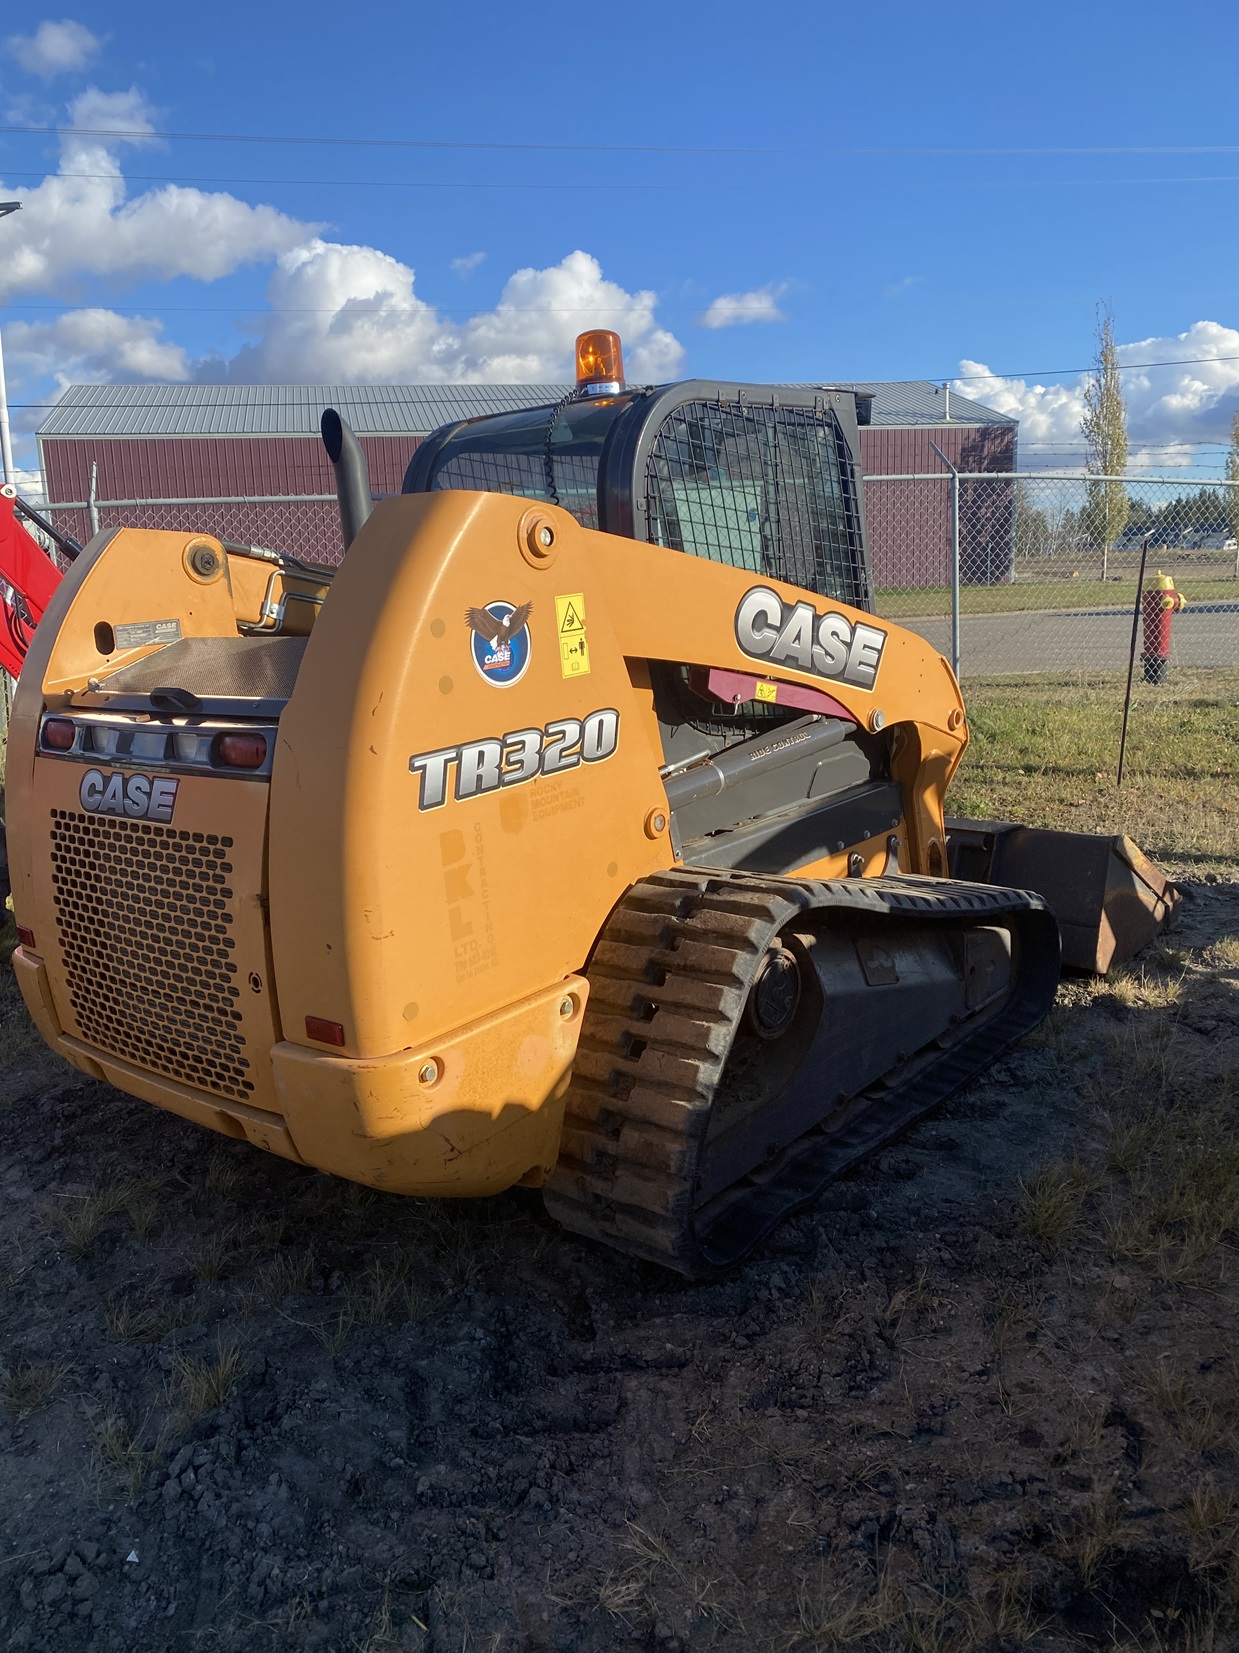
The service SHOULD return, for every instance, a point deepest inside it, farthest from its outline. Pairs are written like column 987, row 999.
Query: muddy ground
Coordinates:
column 983, row 1397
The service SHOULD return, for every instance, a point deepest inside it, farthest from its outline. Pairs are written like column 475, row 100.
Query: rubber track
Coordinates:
column 688, row 945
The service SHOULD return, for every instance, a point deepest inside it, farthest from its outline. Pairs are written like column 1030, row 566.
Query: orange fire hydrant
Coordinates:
column 1159, row 603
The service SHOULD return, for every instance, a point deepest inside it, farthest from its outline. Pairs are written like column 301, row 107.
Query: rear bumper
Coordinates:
column 235, row 1119
column 490, row 1117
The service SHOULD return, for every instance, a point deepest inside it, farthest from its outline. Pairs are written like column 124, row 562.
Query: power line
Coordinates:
column 593, row 185
column 994, row 375
column 1058, row 372
column 352, row 309
column 143, row 133
column 372, row 183
column 1068, row 445
column 146, row 133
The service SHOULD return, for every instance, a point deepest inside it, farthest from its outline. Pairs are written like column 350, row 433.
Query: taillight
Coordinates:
column 240, row 751
column 324, row 1032
column 59, row 733
column 25, row 937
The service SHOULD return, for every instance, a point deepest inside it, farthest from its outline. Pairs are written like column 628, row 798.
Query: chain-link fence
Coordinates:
column 1005, row 573
column 299, row 525
column 1028, row 581
column 1034, row 572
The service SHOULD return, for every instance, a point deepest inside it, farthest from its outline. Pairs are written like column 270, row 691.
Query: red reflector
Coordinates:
column 242, row 751
column 25, row 937
column 326, row 1033
column 58, row 733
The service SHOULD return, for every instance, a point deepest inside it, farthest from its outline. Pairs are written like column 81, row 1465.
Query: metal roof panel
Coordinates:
column 138, row 410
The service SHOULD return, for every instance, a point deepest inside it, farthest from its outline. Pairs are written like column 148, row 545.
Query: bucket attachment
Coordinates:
column 1108, row 897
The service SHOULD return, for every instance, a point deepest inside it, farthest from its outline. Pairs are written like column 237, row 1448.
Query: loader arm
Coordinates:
column 659, row 605
column 28, row 577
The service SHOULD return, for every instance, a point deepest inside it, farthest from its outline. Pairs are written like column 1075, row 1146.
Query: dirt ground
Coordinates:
column 984, row 1396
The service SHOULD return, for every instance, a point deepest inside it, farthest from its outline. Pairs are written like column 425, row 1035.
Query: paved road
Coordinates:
column 1079, row 639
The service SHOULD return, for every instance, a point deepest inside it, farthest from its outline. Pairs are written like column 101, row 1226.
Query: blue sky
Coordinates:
column 787, row 192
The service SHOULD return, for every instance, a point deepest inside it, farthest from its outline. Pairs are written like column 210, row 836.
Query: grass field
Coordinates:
column 922, row 602
column 1045, row 750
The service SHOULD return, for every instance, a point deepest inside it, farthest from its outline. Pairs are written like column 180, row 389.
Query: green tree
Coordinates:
column 1232, row 493
column 1104, row 428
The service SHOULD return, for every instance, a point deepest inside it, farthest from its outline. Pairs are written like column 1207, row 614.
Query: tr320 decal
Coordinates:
column 508, row 760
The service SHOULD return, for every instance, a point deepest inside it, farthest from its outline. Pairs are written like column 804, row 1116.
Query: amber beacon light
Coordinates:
column 599, row 363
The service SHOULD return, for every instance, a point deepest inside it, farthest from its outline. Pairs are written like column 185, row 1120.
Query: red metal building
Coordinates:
column 254, row 451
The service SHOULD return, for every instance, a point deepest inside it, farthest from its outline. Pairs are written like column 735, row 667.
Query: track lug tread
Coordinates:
column 638, row 1107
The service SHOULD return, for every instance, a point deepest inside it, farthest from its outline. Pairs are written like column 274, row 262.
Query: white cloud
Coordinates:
column 71, row 227
column 531, row 332
column 896, row 288
column 465, row 266
column 123, row 117
column 1048, row 414
column 739, row 309
column 351, row 313
column 1191, row 398
column 335, row 311
column 54, row 48
column 94, row 346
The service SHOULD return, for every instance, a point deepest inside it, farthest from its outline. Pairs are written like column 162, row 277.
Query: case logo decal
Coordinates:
column 507, row 760
column 500, row 641
column 796, row 635
column 140, row 797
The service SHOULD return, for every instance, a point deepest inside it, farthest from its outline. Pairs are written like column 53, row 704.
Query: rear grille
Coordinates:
column 144, row 918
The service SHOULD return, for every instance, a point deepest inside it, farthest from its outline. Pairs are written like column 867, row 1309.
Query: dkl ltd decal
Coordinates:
column 140, row 797
column 796, row 635
column 507, row 760
column 500, row 641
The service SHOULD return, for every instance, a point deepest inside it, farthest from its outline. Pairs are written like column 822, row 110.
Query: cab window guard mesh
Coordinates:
column 767, row 488
column 576, row 479
column 546, row 453
column 493, row 473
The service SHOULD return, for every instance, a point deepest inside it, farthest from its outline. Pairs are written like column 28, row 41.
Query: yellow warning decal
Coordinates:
column 570, row 613
column 574, row 655
column 573, row 648
column 767, row 691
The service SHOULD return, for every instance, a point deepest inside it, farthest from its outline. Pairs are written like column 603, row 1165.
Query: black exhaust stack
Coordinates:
column 352, row 474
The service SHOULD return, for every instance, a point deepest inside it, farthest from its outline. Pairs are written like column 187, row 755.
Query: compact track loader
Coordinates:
column 584, row 829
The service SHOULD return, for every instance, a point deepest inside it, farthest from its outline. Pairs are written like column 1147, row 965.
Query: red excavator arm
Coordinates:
column 28, row 576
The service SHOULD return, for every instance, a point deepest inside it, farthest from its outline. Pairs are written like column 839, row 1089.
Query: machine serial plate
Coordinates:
column 137, row 634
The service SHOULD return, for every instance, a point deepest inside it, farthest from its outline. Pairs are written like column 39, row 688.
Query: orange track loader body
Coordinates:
column 423, row 870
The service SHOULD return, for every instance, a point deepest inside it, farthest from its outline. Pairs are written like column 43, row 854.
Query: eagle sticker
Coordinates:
column 499, row 640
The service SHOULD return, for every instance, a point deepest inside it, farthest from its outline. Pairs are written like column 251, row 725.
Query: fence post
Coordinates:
column 954, row 557
column 955, row 571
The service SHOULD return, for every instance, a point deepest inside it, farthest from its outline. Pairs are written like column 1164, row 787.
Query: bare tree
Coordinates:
column 1104, row 428
column 1232, row 494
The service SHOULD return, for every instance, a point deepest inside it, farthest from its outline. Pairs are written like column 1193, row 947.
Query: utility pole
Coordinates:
column 6, row 441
